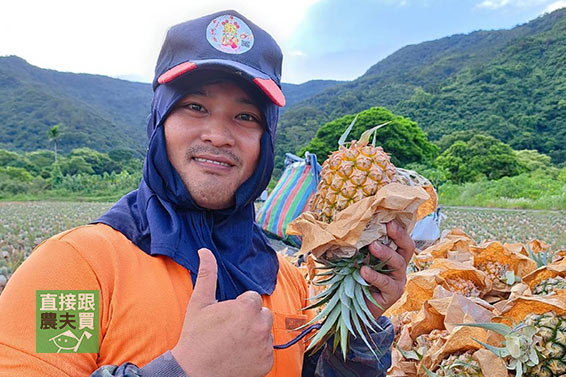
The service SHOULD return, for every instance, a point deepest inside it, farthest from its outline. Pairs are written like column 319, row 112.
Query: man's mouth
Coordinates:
column 221, row 163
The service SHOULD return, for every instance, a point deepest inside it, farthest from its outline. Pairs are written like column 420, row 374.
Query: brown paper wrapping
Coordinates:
column 359, row 224
column 518, row 308
column 491, row 365
column 460, row 340
column 543, row 273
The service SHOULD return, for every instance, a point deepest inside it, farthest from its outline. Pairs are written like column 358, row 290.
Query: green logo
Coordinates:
column 66, row 321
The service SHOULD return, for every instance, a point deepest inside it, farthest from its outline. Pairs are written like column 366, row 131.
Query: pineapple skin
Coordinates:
column 552, row 346
column 349, row 175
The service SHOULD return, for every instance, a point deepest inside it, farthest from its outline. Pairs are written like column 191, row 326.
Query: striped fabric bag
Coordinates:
column 290, row 196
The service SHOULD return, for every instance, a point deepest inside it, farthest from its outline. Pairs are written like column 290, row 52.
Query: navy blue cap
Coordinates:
column 227, row 41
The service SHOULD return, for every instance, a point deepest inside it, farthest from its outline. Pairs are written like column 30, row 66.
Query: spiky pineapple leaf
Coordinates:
column 324, row 330
column 346, row 318
column 333, row 280
column 360, row 299
column 344, row 337
column 323, row 313
column 344, row 299
column 358, row 277
column 429, row 373
column 359, row 313
column 361, row 333
column 498, row 351
column 499, row 328
column 349, row 284
column 324, row 293
column 370, row 297
column 342, row 139
column 409, row 355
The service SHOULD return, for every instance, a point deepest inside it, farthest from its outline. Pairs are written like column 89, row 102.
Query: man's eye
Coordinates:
column 193, row 106
column 248, row 118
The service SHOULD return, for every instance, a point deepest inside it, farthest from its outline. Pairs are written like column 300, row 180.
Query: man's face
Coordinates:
column 213, row 141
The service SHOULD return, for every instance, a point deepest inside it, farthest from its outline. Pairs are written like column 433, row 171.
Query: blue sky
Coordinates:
column 341, row 41
column 321, row 39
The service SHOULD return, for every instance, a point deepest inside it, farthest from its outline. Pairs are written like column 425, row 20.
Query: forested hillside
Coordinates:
column 508, row 83
column 93, row 111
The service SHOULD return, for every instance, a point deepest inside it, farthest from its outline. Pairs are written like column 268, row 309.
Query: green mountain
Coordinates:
column 95, row 111
column 508, row 83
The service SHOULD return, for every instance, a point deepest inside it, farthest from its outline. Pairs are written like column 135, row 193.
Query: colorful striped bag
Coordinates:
column 290, row 196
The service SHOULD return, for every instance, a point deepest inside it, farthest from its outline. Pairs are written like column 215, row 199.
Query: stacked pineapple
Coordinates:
column 533, row 302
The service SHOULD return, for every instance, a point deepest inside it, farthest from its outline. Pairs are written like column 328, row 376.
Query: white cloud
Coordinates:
column 119, row 38
column 496, row 4
column 556, row 5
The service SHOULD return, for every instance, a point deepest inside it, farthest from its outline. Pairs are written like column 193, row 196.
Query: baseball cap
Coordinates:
column 226, row 41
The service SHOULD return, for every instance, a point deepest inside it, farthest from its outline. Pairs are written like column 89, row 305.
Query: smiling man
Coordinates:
column 177, row 279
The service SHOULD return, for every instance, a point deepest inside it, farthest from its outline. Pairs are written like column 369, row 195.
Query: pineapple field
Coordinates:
column 500, row 269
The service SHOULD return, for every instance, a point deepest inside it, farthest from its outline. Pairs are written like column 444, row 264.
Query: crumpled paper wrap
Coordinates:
column 444, row 314
column 520, row 264
column 546, row 272
column 518, row 308
column 359, row 224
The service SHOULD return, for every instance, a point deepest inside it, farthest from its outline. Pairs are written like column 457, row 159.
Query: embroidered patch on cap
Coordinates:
column 229, row 34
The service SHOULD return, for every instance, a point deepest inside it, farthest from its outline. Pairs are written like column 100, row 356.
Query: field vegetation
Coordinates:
column 23, row 225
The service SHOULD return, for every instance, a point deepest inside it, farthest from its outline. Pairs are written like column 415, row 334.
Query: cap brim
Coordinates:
column 261, row 80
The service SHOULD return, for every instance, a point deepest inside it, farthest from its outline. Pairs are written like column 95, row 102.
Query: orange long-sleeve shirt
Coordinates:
column 143, row 300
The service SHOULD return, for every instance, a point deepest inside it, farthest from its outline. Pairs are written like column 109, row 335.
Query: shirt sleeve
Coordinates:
column 54, row 265
column 162, row 366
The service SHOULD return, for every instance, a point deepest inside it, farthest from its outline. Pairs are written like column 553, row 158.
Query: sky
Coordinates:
column 320, row 39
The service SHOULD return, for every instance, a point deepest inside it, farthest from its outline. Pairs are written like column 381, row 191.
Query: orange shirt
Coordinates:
column 143, row 300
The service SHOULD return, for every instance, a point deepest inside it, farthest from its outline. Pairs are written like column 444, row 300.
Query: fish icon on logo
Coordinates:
column 69, row 341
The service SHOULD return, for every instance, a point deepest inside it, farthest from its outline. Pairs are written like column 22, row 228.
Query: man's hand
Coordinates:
column 229, row 338
column 390, row 285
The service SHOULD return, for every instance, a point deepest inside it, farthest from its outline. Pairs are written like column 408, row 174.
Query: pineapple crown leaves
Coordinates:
column 542, row 258
column 518, row 345
column 455, row 364
column 346, row 312
column 364, row 138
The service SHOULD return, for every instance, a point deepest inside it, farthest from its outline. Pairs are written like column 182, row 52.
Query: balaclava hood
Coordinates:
column 161, row 217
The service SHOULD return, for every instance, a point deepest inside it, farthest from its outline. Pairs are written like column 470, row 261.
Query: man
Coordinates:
column 188, row 285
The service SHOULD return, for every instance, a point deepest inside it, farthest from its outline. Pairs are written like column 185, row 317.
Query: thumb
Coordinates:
column 204, row 292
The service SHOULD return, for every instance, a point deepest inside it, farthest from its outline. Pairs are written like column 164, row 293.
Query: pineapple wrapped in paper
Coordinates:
column 357, row 195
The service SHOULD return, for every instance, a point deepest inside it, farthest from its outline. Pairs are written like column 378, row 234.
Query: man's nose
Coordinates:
column 218, row 132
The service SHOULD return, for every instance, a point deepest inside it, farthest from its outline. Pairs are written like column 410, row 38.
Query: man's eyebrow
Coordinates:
column 244, row 100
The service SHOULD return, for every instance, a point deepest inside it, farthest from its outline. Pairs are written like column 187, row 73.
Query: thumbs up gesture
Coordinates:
column 228, row 338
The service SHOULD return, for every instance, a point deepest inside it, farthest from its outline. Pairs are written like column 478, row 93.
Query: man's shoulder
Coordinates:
column 94, row 243
column 91, row 234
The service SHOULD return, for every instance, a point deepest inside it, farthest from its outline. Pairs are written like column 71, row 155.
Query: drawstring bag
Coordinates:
column 290, row 197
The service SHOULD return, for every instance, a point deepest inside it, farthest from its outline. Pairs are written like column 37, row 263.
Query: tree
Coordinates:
column 53, row 134
column 402, row 138
column 482, row 155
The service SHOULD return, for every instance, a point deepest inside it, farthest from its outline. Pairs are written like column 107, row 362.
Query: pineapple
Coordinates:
column 495, row 270
column 462, row 286
column 349, row 175
column 551, row 346
column 536, row 347
column 549, row 286
column 456, row 365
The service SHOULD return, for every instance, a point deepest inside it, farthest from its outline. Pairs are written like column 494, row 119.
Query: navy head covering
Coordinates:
column 161, row 217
